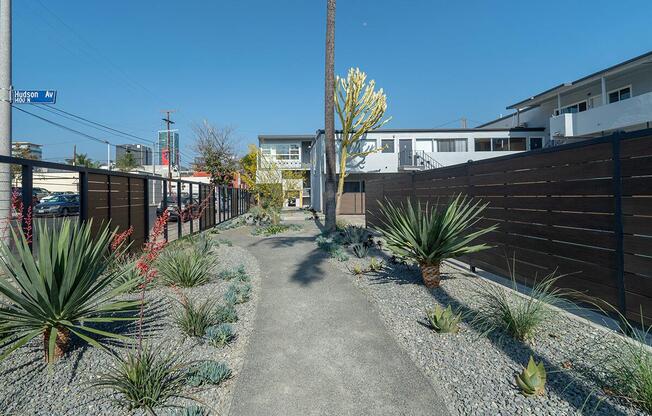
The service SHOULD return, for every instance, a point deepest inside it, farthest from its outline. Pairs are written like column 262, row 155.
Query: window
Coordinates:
column 573, row 108
column 388, row 145
column 536, row 143
column 500, row 144
column 620, row 94
column 451, row 145
column 517, row 144
column 281, row 151
column 424, row 145
column 483, row 145
column 351, row 186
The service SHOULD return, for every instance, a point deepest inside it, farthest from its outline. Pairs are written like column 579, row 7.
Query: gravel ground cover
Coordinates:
column 475, row 372
column 29, row 387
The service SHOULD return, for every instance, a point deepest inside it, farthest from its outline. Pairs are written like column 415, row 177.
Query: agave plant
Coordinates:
column 532, row 380
column 352, row 234
column 360, row 250
column 444, row 320
column 429, row 236
column 63, row 291
column 208, row 372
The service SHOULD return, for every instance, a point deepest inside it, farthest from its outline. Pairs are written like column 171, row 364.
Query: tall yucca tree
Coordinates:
column 360, row 109
column 66, row 289
column 329, row 120
column 429, row 236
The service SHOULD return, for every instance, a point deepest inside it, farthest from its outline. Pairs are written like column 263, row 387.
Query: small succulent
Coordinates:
column 237, row 294
column 357, row 270
column 220, row 335
column 225, row 313
column 208, row 372
column 532, row 380
column 239, row 274
column 376, row 265
column 360, row 250
column 444, row 320
column 193, row 410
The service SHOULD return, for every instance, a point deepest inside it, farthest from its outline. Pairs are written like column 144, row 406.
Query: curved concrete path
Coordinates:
column 318, row 347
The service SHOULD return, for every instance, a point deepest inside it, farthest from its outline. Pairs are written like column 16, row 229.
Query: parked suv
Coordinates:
column 58, row 206
column 188, row 205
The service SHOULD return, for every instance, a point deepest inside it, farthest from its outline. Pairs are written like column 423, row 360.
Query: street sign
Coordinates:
column 35, row 97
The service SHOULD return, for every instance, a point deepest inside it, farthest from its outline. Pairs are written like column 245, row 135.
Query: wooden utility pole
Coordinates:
column 329, row 202
column 168, row 122
column 74, row 154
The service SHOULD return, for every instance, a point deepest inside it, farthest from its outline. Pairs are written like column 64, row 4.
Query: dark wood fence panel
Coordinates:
column 583, row 211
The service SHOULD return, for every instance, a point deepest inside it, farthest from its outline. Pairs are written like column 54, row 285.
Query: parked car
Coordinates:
column 55, row 194
column 40, row 193
column 58, row 206
column 188, row 205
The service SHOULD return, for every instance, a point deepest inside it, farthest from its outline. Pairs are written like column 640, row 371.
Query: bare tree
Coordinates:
column 329, row 119
column 214, row 145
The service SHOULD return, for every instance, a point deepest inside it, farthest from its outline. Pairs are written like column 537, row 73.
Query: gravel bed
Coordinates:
column 29, row 387
column 473, row 372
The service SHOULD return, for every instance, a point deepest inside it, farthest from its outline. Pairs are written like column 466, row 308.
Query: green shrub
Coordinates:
column 444, row 320
column 208, row 372
column 184, row 268
column 519, row 316
column 237, row 294
column 144, row 379
column 240, row 274
column 220, row 335
column 360, row 250
column 194, row 318
column 429, row 236
column 225, row 314
column 65, row 290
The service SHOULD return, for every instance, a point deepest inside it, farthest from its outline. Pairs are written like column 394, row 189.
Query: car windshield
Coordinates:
column 58, row 198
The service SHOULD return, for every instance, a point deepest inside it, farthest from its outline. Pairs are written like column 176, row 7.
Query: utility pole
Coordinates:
column 463, row 120
column 108, row 155
column 74, row 155
column 5, row 106
column 168, row 122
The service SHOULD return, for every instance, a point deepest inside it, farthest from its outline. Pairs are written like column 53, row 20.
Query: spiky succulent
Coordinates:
column 352, row 234
column 532, row 380
column 240, row 274
column 360, row 250
column 220, row 335
column 208, row 372
column 376, row 265
column 193, row 410
column 225, row 313
column 444, row 320
column 237, row 294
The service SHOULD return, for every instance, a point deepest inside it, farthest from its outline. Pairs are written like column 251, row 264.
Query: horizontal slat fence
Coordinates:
column 582, row 210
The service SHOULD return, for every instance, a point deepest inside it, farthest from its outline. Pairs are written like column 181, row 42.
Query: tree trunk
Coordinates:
column 60, row 345
column 329, row 119
column 430, row 273
column 340, row 180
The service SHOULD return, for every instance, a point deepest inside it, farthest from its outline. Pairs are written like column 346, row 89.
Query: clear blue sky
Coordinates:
column 258, row 65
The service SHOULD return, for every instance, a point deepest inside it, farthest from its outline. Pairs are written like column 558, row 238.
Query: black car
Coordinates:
column 60, row 205
column 188, row 205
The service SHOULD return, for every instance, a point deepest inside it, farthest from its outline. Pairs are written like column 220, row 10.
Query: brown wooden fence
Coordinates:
column 583, row 209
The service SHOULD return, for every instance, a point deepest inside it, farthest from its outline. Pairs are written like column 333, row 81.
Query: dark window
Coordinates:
column 619, row 95
column 536, row 143
column 581, row 106
column 500, row 144
column 388, row 145
column 625, row 93
column 351, row 187
column 517, row 143
column 613, row 97
column 483, row 145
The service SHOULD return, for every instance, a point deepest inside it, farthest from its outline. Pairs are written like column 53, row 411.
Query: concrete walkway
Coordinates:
column 318, row 347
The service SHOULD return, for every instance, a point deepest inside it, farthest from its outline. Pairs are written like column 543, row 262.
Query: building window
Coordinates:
column 281, row 151
column 517, row 144
column 424, row 145
column 388, row 145
column 351, row 186
column 483, row 145
column 536, row 143
column 573, row 108
column 500, row 144
column 620, row 94
column 452, row 145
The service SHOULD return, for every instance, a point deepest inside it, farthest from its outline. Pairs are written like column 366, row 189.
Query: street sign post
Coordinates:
column 34, row 97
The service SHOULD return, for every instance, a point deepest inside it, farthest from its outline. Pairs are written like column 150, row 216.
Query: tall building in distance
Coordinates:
column 27, row 149
column 142, row 154
column 165, row 154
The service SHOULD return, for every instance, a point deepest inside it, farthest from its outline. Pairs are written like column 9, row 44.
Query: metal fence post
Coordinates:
column 618, row 223
column 213, row 202
column 179, row 220
column 146, row 208
column 83, row 196
column 129, row 205
column 164, row 206
column 190, row 207
column 27, row 214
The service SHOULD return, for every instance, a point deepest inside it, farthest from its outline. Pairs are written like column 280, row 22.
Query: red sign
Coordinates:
column 165, row 156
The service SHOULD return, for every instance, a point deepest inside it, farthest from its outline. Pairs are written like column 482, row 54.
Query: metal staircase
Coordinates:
column 418, row 160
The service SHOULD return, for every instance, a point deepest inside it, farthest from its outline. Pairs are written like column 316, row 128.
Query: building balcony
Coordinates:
column 619, row 115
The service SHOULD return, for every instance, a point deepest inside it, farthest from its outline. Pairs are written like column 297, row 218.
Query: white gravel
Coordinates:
column 475, row 373
column 29, row 387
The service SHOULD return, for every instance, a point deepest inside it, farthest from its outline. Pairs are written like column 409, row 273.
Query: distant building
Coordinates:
column 33, row 150
column 142, row 154
column 164, row 152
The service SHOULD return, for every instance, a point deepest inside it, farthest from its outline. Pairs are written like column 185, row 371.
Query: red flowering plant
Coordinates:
column 16, row 215
column 118, row 246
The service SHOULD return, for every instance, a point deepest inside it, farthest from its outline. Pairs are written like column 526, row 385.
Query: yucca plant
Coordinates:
column 428, row 235
column 532, row 380
column 63, row 291
column 444, row 320
column 146, row 379
column 519, row 316
column 183, row 268
column 193, row 317
column 204, row 244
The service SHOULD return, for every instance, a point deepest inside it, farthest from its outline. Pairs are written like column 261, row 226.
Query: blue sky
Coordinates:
column 258, row 65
